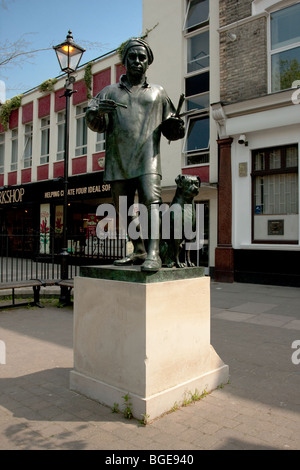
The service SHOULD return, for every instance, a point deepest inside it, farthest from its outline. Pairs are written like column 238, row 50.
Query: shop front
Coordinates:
column 31, row 218
column 258, row 196
column 31, row 215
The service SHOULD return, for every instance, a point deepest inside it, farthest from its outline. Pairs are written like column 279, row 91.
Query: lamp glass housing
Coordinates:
column 68, row 54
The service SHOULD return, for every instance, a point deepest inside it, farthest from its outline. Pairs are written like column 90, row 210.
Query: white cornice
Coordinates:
column 266, row 112
column 259, row 6
column 263, row 103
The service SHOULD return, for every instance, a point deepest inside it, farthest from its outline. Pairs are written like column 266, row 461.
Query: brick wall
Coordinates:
column 243, row 62
column 233, row 10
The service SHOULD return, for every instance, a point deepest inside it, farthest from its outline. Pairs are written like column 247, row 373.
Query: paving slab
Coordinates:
column 253, row 328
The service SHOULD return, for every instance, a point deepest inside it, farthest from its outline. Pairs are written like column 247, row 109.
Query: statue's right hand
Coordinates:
column 106, row 106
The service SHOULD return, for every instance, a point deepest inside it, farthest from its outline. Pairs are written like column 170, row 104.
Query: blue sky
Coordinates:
column 103, row 24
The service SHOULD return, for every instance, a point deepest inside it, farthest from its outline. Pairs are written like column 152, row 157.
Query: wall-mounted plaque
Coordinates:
column 275, row 227
column 243, row 169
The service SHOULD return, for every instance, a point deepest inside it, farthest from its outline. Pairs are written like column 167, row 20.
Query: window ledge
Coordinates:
column 196, row 165
column 266, row 246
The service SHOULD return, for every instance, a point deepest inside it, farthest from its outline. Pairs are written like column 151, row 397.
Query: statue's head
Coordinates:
column 136, row 42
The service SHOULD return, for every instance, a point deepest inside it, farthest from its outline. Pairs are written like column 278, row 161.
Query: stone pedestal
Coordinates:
column 145, row 335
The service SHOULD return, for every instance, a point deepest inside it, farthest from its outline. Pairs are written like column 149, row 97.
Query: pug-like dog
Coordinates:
column 187, row 188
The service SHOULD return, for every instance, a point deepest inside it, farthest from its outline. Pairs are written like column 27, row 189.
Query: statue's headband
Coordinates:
column 133, row 43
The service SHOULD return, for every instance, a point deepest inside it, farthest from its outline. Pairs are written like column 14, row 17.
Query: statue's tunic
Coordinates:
column 133, row 133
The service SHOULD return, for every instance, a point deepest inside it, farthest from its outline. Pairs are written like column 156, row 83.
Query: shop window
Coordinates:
column 275, row 194
column 198, row 52
column 2, row 153
column 45, row 140
column 14, row 150
column 285, row 47
column 197, row 14
column 27, row 154
column 100, row 142
column 61, row 122
column 81, row 131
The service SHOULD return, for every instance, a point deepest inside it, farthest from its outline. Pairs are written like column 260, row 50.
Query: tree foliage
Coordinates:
column 289, row 72
column 7, row 108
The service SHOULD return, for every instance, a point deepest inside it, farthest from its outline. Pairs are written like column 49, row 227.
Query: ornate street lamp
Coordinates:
column 69, row 55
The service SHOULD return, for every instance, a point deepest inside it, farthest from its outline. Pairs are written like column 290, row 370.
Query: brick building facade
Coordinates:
column 258, row 124
column 243, row 58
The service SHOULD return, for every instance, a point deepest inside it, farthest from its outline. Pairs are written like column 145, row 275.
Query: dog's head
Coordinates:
column 188, row 185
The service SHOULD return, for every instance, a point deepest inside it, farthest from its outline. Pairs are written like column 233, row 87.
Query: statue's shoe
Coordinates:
column 133, row 258
column 152, row 264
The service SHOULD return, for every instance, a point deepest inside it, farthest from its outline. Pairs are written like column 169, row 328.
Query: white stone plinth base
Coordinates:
column 148, row 340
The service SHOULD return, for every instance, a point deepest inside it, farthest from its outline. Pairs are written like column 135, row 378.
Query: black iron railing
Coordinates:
column 31, row 256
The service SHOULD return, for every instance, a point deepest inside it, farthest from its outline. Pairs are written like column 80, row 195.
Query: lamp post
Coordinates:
column 69, row 55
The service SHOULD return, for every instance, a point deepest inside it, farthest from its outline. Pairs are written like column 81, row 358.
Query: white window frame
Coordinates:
column 100, row 142
column 275, row 193
column 81, row 130
column 14, row 149
column 278, row 50
column 198, row 95
column 202, row 153
column 45, row 139
column 28, row 134
column 2, row 153
column 189, row 36
column 185, row 28
column 61, row 128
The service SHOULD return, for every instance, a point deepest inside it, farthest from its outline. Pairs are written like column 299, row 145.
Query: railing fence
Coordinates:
column 30, row 256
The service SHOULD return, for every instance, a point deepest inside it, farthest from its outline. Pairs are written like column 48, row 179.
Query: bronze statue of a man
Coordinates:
column 134, row 114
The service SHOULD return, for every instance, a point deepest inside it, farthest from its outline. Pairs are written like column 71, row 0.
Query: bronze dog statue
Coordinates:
column 185, row 214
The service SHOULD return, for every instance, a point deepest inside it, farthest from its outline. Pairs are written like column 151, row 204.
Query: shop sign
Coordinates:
column 80, row 191
column 12, row 196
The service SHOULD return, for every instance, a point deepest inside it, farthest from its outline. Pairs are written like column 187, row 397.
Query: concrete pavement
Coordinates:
column 253, row 329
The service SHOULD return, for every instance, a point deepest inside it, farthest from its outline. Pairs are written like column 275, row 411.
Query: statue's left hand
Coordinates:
column 173, row 128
